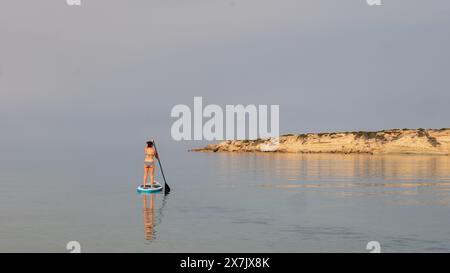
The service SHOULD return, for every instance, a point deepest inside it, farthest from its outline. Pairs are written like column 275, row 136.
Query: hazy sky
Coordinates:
column 111, row 70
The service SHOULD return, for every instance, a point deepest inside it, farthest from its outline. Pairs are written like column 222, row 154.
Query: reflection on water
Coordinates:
column 347, row 175
column 149, row 216
column 337, row 167
column 148, row 212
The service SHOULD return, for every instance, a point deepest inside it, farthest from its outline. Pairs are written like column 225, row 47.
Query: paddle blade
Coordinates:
column 166, row 189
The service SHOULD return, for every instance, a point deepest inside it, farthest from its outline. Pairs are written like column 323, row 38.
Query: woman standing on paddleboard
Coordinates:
column 149, row 162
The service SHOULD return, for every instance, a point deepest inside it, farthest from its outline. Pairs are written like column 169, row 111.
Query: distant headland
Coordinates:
column 395, row 141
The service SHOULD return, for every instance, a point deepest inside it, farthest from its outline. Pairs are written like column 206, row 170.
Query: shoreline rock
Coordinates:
column 396, row 141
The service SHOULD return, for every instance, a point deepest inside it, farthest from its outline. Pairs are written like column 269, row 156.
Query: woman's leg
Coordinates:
column 145, row 175
column 152, row 175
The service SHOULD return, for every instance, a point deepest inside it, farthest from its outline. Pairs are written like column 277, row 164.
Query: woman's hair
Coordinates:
column 149, row 144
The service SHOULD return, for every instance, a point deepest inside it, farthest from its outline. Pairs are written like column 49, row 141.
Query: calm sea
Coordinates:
column 226, row 203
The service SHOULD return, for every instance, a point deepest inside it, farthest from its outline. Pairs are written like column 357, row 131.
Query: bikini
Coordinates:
column 149, row 162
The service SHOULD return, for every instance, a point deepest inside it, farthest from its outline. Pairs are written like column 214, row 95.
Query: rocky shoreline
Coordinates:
column 396, row 141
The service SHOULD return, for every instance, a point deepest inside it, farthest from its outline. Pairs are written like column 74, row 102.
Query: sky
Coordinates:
column 108, row 72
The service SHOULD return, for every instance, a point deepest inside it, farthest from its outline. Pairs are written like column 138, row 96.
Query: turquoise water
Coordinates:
column 227, row 203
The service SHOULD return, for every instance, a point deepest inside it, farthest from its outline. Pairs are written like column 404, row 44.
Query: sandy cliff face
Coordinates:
column 404, row 141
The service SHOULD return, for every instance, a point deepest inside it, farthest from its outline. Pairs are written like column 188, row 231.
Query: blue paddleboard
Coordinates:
column 147, row 189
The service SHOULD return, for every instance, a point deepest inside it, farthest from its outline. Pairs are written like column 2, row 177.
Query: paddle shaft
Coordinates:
column 166, row 186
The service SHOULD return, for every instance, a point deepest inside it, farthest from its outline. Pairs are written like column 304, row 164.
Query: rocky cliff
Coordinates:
column 406, row 141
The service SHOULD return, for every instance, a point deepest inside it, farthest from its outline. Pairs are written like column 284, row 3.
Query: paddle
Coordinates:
column 166, row 186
